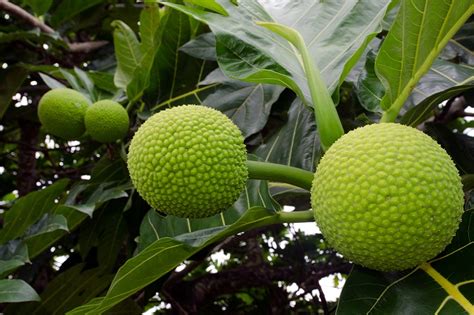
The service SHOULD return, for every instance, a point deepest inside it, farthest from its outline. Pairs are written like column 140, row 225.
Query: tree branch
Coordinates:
column 27, row 175
column 86, row 47
column 83, row 47
column 25, row 15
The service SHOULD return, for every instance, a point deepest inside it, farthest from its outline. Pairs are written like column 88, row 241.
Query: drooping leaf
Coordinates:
column 248, row 105
column 212, row 5
column 424, row 110
column 168, row 80
column 443, row 75
column 149, row 27
column 15, row 290
column 50, row 82
column 202, row 47
column 165, row 253
column 48, row 223
column 10, row 81
column 248, row 52
column 153, row 262
column 155, row 226
column 87, row 83
column 460, row 45
column 70, row 8
column 106, row 232
column 69, row 289
column 100, row 193
column 422, row 28
column 150, row 40
column 295, row 143
column 96, row 85
column 111, row 173
column 29, row 209
column 369, row 88
column 128, row 54
column 126, row 307
column 13, row 254
column 39, row 7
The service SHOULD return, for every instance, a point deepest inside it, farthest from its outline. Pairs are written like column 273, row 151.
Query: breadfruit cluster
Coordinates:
column 387, row 196
column 68, row 114
column 188, row 161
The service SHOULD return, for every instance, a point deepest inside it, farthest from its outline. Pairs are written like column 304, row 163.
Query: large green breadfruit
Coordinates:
column 61, row 112
column 106, row 121
column 188, row 161
column 387, row 196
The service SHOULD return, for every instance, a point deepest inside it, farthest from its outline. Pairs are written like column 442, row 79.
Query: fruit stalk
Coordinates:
column 278, row 218
column 280, row 173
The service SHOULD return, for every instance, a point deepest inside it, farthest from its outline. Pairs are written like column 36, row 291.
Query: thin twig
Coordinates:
column 322, row 298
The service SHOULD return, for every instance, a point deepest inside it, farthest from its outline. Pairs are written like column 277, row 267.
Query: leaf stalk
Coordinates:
column 327, row 119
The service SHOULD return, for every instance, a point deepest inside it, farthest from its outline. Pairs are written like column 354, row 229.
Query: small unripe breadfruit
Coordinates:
column 106, row 121
column 387, row 196
column 188, row 161
column 61, row 112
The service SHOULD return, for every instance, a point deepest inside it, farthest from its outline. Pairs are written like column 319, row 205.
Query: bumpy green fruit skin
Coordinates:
column 106, row 121
column 61, row 112
column 188, row 161
column 387, row 196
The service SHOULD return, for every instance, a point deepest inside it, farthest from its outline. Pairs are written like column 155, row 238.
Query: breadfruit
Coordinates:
column 387, row 196
column 61, row 112
column 106, row 121
column 188, row 161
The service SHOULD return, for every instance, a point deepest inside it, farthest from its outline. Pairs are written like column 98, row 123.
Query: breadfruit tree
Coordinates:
column 245, row 156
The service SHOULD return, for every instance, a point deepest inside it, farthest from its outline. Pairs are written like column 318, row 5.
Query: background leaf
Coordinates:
column 40, row 7
column 248, row 105
column 418, row 114
column 48, row 223
column 70, row 8
column 248, row 52
column 411, row 45
column 71, row 288
column 30, row 209
column 10, row 82
column 128, row 54
column 14, row 291
column 158, row 249
column 295, row 143
column 13, row 254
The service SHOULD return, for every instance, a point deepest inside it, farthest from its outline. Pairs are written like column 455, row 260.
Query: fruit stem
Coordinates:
column 327, row 119
column 389, row 115
column 280, row 173
column 296, row 216
column 277, row 218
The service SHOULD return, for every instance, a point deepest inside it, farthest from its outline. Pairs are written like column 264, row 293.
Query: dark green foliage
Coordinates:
column 75, row 233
